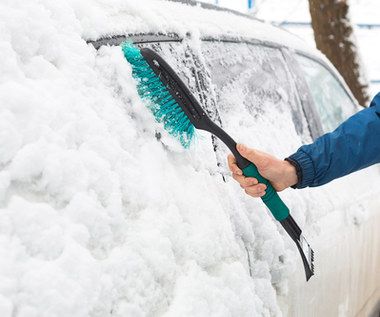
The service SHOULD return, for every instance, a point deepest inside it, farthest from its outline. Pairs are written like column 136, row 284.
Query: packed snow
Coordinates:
column 99, row 217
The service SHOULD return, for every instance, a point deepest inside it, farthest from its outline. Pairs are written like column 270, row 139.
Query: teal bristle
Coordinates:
column 157, row 97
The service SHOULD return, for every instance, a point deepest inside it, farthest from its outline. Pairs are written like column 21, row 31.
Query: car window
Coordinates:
column 177, row 55
column 182, row 59
column 332, row 101
column 191, row 70
column 255, row 94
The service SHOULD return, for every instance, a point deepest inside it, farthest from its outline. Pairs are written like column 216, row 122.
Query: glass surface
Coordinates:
column 254, row 87
column 332, row 101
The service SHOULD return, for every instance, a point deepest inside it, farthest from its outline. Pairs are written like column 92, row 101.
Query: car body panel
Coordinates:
column 347, row 276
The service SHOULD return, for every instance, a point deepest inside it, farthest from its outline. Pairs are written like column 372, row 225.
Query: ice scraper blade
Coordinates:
column 306, row 252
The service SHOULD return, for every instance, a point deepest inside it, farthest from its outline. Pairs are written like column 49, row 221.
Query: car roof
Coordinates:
column 184, row 17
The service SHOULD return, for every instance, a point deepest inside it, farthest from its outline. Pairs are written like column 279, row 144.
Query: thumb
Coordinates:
column 251, row 155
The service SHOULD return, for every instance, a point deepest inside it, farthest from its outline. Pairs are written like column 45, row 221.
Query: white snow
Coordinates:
column 98, row 218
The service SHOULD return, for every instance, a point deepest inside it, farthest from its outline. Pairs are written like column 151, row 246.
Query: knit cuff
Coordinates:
column 298, row 172
column 307, row 168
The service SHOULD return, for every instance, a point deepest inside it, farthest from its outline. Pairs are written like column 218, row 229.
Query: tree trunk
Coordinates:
column 333, row 35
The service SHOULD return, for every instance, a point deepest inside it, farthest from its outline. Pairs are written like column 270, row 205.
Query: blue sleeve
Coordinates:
column 354, row 145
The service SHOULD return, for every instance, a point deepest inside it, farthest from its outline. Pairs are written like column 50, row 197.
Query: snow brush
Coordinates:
column 173, row 104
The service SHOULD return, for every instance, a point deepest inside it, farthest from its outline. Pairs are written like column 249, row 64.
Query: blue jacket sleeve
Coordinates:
column 354, row 145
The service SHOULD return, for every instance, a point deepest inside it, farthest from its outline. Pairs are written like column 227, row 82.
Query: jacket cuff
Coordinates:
column 306, row 164
column 298, row 172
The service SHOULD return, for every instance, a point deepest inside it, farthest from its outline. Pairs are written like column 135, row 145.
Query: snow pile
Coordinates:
column 97, row 218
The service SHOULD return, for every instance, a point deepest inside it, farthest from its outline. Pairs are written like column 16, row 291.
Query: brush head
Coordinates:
column 158, row 97
column 171, row 100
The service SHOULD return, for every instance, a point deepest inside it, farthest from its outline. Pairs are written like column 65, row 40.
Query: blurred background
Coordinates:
column 294, row 15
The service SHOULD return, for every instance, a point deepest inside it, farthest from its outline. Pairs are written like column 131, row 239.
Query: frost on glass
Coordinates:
column 178, row 57
column 255, row 94
column 332, row 101
column 183, row 59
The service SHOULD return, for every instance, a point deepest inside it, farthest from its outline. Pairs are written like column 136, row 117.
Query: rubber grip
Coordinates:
column 271, row 199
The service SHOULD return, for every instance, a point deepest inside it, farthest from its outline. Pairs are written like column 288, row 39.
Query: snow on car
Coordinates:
column 105, row 214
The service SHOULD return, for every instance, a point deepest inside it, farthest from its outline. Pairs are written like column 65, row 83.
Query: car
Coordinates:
column 106, row 214
column 269, row 90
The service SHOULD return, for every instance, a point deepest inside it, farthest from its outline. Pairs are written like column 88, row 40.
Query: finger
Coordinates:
column 247, row 152
column 255, row 190
column 261, row 194
column 256, row 157
column 233, row 166
column 245, row 181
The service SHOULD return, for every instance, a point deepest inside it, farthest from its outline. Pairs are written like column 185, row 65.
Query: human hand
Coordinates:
column 281, row 174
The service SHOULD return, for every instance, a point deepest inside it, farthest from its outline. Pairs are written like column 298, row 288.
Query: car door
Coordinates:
column 276, row 101
column 347, row 279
